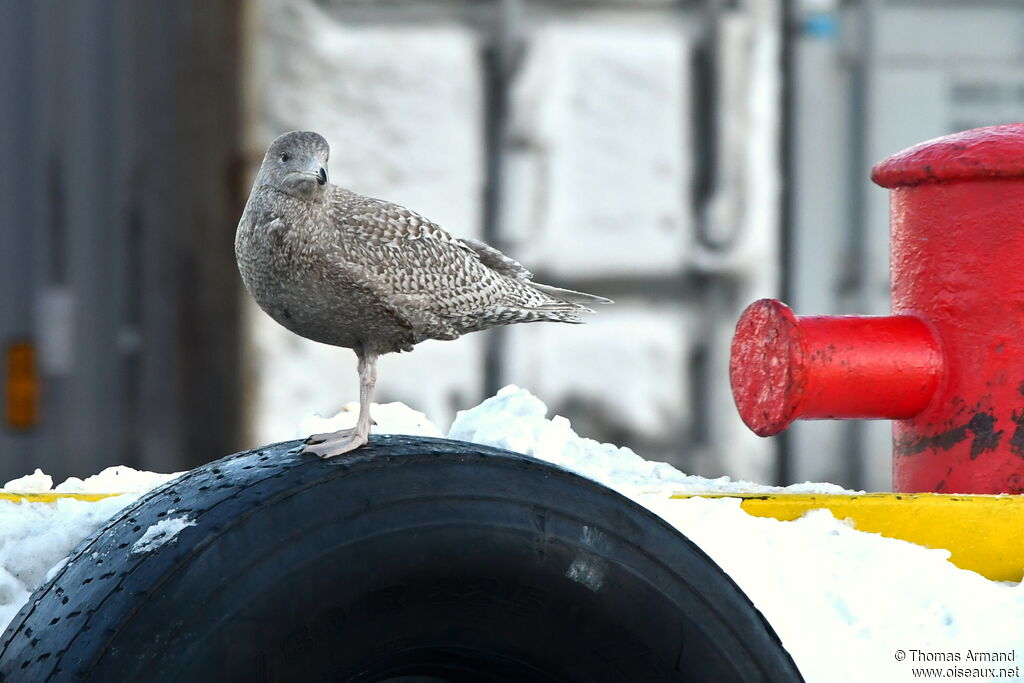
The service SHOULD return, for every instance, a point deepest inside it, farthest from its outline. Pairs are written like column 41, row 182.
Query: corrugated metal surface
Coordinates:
column 118, row 199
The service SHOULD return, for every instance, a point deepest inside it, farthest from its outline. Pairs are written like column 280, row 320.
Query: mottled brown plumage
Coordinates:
column 343, row 269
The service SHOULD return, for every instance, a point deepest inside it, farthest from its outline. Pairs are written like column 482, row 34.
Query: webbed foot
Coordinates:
column 335, row 443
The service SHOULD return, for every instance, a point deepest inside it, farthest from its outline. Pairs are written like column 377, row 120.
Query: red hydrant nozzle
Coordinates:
column 948, row 365
column 786, row 367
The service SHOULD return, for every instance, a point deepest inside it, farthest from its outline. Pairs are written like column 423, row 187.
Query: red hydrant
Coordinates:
column 948, row 365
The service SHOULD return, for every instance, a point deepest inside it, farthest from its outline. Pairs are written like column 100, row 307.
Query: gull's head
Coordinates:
column 296, row 163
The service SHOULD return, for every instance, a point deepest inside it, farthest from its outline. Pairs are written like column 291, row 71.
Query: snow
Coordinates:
column 37, row 482
column 398, row 418
column 515, row 419
column 35, row 538
column 163, row 532
column 117, row 479
column 845, row 603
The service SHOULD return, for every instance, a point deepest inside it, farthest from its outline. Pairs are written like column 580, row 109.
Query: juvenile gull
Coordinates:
column 343, row 269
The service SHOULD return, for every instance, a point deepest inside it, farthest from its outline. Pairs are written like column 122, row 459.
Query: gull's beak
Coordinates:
column 321, row 176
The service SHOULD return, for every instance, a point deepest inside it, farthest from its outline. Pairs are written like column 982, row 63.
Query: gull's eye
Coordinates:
column 285, row 157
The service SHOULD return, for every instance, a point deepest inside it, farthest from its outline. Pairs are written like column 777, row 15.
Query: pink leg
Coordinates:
column 345, row 440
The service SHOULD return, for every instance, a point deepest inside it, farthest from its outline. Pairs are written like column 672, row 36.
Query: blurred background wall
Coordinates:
column 681, row 157
column 121, row 180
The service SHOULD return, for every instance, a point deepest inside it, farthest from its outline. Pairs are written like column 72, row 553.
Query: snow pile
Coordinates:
column 846, row 604
column 37, row 482
column 119, row 479
column 35, row 537
column 515, row 419
column 390, row 418
column 844, row 601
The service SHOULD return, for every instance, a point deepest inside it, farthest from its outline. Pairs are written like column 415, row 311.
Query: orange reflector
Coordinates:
column 21, row 406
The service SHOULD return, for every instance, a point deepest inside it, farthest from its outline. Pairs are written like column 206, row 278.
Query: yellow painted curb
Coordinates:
column 53, row 496
column 982, row 533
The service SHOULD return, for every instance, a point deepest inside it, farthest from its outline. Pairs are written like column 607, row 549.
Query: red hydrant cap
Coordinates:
column 786, row 367
column 993, row 152
column 768, row 367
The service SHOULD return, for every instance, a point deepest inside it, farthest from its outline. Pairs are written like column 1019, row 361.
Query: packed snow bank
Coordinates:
column 118, row 479
column 516, row 420
column 847, row 604
column 35, row 537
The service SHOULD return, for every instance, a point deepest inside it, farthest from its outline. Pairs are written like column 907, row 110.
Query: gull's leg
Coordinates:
column 345, row 440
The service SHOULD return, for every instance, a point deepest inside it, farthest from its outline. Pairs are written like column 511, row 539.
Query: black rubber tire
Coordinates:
column 413, row 557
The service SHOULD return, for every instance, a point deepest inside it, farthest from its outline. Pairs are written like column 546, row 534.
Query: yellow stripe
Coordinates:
column 983, row 533
column 53, row 496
